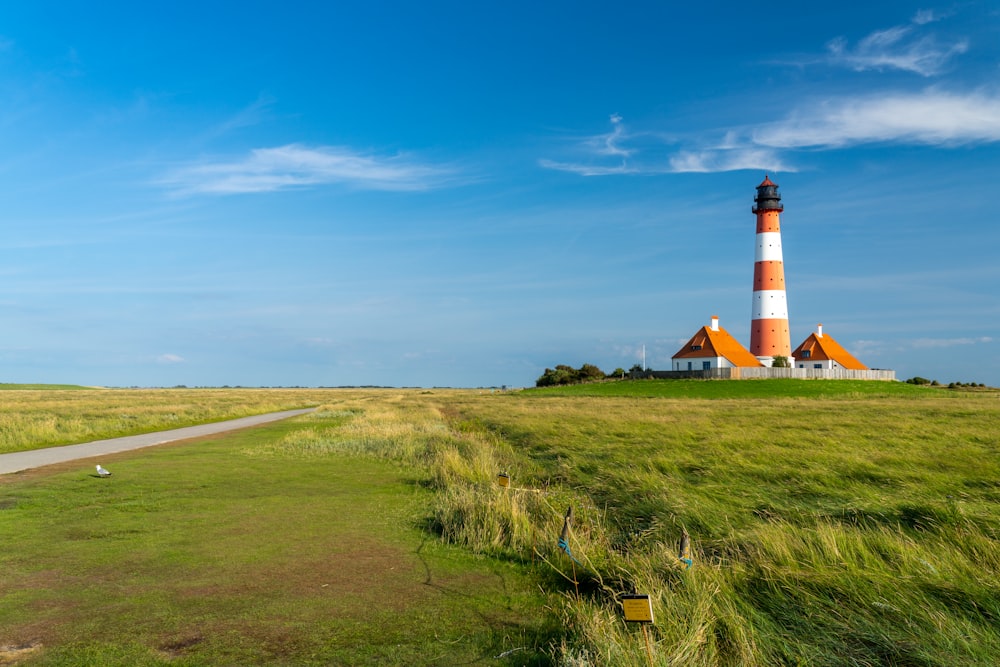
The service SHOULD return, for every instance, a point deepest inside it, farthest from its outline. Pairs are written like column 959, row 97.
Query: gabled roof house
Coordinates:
column 712, row 347
column 822, row 351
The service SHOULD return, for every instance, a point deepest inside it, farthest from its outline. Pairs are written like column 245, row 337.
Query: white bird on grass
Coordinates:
column 102, row 472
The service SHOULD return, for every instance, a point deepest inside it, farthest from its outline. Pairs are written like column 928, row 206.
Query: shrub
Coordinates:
column 563, row 374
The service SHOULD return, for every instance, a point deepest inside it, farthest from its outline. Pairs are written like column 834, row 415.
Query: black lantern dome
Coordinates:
column 767, row 198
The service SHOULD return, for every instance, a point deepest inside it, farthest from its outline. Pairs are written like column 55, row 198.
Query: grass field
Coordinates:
column 832, row 523
column 848, row 527
column 32, row 418
column 248, row 550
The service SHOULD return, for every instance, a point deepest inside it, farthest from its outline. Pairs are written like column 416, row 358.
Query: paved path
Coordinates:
column 43, row 457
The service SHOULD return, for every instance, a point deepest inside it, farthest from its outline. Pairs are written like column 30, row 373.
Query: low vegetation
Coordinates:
column 831, row 522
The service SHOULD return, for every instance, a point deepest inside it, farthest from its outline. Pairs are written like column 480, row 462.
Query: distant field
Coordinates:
column 36, row 418
column 831, row 523
column 21, row 387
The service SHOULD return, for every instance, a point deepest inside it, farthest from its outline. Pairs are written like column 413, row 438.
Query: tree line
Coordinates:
column 563, row 374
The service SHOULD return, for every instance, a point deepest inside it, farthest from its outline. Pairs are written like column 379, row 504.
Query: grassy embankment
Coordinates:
column 832, row 523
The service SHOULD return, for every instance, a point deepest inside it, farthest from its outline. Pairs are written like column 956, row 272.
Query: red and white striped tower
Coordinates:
column 769, row 336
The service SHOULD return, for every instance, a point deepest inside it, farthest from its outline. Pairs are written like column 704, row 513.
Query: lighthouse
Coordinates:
column 769, row 336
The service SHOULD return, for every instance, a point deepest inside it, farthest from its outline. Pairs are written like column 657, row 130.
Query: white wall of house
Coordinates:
column 698, row 363
column 825, row 364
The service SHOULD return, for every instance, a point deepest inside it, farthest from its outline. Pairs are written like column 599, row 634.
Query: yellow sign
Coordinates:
column 503, row 479
column 638, row 608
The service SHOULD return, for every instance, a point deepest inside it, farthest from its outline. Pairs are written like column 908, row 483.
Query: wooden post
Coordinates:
column 649, row 651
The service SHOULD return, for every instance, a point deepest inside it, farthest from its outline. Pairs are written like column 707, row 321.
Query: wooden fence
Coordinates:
column 763, row 372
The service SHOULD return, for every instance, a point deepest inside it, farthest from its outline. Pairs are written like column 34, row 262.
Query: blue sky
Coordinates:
column 462, row 194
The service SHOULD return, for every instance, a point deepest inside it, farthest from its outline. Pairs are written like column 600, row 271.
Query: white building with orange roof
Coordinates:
column 819, row 350
column 713, row 347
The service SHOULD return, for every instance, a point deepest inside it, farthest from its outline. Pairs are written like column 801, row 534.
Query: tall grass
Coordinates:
column 828, row 531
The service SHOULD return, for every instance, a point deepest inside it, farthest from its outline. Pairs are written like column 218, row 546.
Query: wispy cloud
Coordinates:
column 928, row 117
column 883, row 346
column 584, row 169
column 728, row 159
column 922, row 343
column 623, row 152
column 902, row 47
column 591, row 153
column 925, row 16
column 297, row 166
column 933, row 117
column 170, row 359
column 610, row 144
column 250, row 115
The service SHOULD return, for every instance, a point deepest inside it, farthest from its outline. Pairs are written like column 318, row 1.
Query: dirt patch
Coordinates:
column 178, row 647
column 11, row 655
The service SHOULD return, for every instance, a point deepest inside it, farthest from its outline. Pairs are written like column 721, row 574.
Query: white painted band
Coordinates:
column 770, row 304
column 768, row 247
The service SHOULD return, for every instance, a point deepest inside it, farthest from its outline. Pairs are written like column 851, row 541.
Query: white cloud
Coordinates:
column 728, row 159
column 170, row 359
column 948, row 342
column 647, row 155
column 587, row 169
column 928, row 117
column 298, row 166
column 897, row 48
column 609, row 144
column 320, row 341
column 924, row 16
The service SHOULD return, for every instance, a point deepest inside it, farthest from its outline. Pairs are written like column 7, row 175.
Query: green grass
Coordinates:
column 832, row 523
column 717, row 389
column 230, row 551
column 853, row 529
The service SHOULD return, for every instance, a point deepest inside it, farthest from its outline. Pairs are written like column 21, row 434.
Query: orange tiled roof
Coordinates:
column 717, row 344
column 826, row 348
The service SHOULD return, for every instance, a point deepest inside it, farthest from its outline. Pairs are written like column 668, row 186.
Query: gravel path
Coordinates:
column 42, row 457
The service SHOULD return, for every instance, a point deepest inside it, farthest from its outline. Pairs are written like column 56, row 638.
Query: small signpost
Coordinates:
column 639, row 609
column 503, row 479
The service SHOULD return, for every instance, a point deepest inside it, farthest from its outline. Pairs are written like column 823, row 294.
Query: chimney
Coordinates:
column 819, row 331
column 715, row 322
